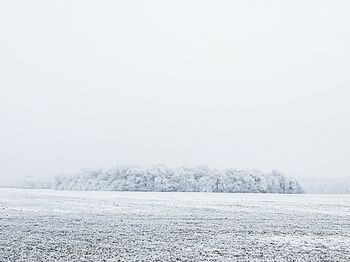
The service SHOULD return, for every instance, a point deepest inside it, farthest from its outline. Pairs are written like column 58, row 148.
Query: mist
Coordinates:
column 239, row 84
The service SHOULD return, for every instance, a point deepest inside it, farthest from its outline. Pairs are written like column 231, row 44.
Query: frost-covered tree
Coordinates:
column 163, row 179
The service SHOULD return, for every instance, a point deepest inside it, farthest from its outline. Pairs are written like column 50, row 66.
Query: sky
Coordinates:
column 242, row 84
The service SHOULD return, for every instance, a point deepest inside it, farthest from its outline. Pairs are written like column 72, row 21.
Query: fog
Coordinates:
column 243, row 84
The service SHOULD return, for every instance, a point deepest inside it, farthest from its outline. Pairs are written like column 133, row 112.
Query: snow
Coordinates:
column 51, row 225
column 163, row 179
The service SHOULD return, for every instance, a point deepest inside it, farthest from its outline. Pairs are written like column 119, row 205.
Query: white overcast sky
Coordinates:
column 245, row 84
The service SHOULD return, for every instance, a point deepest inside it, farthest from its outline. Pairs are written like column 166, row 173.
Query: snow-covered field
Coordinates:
column 49, row 225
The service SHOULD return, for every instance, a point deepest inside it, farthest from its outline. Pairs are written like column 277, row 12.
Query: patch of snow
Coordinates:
column 52, row 225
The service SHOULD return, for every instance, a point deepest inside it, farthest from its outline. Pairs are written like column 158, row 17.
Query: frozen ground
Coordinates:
column 48, row 225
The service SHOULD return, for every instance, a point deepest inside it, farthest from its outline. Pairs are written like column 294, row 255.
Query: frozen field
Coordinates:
column 48, row 225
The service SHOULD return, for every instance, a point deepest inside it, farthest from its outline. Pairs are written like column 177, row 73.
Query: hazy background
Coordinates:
column 245, row 84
